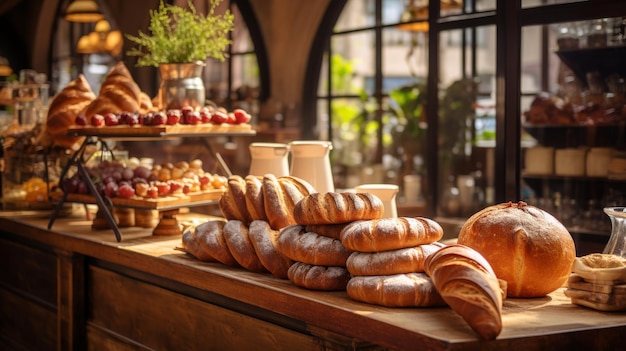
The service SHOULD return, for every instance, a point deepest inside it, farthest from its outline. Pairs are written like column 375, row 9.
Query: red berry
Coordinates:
column 173, row 117
column 126, row 191
column 153, row 192
column 111, row 119
column 241, row 116
column 193, row 117
column 159, row 119
column 231, row 118
column 81, row 120
column 205, row 116
column 218, row 117
column 97, row 120
column 132, row 119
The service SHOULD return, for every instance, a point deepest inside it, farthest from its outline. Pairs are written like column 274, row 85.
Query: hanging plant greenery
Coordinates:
column 181, row 35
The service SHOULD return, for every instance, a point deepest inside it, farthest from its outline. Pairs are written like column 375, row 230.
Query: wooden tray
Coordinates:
column 162, row 130
column 160, row 203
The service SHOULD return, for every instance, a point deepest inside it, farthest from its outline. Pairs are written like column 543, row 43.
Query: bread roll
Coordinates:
column 296, row 188
column 278, row 204
column 390, row 234
column 240, row 246
column 297, row 244
column 63, row 110
column 334, row 208
column 407, row 260
column 193, row 248
column 467, row 283
column 525, row 245
column 118, row 93
column 210, row 236
column 232, row 203
column 329, row 230
column 265, row 242
column 318, row 277
column 254, row 198
column 398, row 290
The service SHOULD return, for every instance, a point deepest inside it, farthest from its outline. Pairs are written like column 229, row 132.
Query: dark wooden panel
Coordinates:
column 25, row 324
column 28, row 271
column 161, row 319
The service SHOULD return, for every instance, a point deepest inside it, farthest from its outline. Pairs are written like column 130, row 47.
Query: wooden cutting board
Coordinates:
column 161, row 202
column 161, row 130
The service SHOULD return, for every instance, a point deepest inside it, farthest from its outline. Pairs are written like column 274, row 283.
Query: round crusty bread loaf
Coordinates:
column 210, row 236
column 265, row 240
column 334, row 208
column 398, row 290
column 329, row 230
column 318, row 277
column 526, row 246
column 390, row 234
column 254, row 198
column 192, row 247
column 232, row 203
column 297, row 244
column 240, row 246
column 407, row 260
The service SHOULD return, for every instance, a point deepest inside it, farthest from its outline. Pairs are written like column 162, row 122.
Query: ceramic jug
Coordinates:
column 386, row 193
column 617, row 241
column 269, row 158
column 310, row 160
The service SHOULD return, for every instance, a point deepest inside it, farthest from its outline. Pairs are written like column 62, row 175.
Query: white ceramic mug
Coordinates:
column 386, row 193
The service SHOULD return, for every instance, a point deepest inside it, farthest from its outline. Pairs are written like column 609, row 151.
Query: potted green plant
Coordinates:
column 180, row 40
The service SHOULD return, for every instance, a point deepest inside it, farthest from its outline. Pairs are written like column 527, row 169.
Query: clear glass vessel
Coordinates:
column 617, row 241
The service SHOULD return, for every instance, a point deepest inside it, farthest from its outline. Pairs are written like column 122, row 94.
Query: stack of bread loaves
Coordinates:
column 255, row 209
column 313, row 243
column 387, row 262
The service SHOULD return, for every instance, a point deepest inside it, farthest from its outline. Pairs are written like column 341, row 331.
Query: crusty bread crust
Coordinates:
column 390, row 234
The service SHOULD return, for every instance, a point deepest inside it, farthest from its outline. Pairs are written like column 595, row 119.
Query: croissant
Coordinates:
column 119, row 93
column 64, row 108
column 467, row 283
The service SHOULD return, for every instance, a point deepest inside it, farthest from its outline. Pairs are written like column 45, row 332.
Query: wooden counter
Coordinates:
column 144, row 293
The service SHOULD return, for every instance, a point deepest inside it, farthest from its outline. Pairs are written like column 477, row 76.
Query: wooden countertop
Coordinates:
column 549, row 322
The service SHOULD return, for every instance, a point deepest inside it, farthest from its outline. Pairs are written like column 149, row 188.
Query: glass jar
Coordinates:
column 617, row 241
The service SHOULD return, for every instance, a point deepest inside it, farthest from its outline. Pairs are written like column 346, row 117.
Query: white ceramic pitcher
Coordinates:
column 310, row 161
column 269, row 158
column 386, row 193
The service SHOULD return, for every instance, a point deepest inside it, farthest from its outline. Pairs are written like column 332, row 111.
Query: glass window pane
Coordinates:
column 357, row 14
column 404, row 59
column 352, row 63
column 485, row 5
column 392, row 11
column 466, row 121
column 450, row 7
